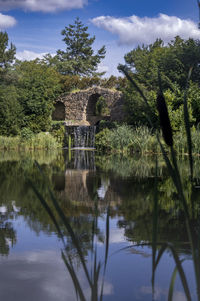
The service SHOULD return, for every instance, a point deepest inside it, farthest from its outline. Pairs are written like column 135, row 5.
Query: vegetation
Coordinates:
column 29, row 141
column 173, row 62
column 79, row 57
column 28, row 90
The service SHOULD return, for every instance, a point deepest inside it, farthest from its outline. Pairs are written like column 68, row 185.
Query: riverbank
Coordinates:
column 33, row 142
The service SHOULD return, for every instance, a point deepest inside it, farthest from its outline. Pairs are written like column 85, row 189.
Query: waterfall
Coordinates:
column 81, row 136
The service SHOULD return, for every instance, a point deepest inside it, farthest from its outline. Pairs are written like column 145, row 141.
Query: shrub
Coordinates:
column 58, row 131
column 124, row 138
column 26, row 134
column 101, row 108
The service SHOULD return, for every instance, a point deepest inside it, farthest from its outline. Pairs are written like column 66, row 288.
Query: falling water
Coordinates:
column 82, row 136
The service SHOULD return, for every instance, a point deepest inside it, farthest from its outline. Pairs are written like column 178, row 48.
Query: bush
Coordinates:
column 102, row 140
column 26, row 134
column 58, row 131
column 124, row 138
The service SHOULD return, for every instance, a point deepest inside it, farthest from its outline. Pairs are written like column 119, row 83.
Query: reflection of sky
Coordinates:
column 34, row 269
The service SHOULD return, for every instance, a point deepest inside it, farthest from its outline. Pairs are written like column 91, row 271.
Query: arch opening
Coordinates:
column 91, row 107
column 59, row 111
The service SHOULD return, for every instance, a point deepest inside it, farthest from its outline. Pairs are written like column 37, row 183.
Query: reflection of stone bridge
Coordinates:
column 79, row 108
column 83, row 187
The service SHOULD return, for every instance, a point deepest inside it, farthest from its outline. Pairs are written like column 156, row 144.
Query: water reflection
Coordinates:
column 104, row 199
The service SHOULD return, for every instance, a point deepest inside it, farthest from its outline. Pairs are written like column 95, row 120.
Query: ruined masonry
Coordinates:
column 79, row 108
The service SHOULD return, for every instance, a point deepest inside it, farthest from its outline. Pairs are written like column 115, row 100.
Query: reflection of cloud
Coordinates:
column 3, row 209
column 159, row 292
column 42, row 273
column 179, row 296
column 134, row 30
column 117, row 235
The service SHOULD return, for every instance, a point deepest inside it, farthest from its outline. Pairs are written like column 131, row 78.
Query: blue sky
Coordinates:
column 34, row 26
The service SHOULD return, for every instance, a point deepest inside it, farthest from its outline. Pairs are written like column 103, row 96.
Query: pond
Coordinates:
column 101, row 242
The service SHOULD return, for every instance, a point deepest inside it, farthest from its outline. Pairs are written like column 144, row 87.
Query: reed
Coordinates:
column 38, row 141
column 171, row 162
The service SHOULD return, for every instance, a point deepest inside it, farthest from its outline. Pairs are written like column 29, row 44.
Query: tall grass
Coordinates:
column 158, row 249
column 38, row 141
column 126, row 139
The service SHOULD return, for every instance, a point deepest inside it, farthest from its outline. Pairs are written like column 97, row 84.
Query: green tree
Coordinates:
column 7, row 55
column 11, row 114
column 173, row 61
column 38, row 86
column 79, row 57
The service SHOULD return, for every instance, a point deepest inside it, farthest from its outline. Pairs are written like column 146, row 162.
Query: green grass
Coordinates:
column 38, row 141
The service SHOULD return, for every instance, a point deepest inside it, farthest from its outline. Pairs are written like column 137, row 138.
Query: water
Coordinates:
column 99, row 196
column 82, row 136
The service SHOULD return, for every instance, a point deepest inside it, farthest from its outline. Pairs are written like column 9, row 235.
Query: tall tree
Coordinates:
column 7, row 55
column 79, row 57
column 173, row 61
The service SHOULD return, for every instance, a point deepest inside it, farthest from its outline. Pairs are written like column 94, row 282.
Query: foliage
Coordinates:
column 173, row 61
column 6, row 55
column 11, row 112
column 38, row 86
column 101, row 107
column 58, row 131
column 79, row 57
column 37, row 141
column 116, row 140
column 72, row 82
column 106, row 124
column 102, row 140
column 26, row 134
column 136, row 110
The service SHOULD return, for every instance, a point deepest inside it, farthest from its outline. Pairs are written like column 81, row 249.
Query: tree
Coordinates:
column 11, row 112
column 6, row 55
column 173, row 61
column 38, row 87
column 79, row 57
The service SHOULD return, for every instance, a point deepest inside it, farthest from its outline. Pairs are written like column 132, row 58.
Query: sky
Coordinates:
column 34, row 26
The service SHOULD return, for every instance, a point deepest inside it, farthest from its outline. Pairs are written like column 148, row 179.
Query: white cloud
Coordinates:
column 27, row 55
column 135, row 30
column 6, row 21
column 42, row 5
column 102, row 68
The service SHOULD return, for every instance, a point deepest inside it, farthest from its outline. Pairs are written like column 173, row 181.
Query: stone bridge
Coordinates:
column 79, row 108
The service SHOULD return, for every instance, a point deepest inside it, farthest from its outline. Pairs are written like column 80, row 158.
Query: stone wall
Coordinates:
column 80, row 106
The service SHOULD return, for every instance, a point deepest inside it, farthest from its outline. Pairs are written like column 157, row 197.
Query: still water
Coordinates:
column 108, row 203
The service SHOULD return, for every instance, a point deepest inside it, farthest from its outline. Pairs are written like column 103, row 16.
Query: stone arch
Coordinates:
column 91, row 106
column 59, row 111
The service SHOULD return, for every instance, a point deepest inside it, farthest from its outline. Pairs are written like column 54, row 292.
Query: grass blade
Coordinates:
column 75, row 280
column 187, row 124
column 155, row 226
column 172, row 282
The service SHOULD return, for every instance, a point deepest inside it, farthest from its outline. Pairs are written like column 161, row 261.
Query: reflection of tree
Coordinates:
column 7, row 233
column 130, row 197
